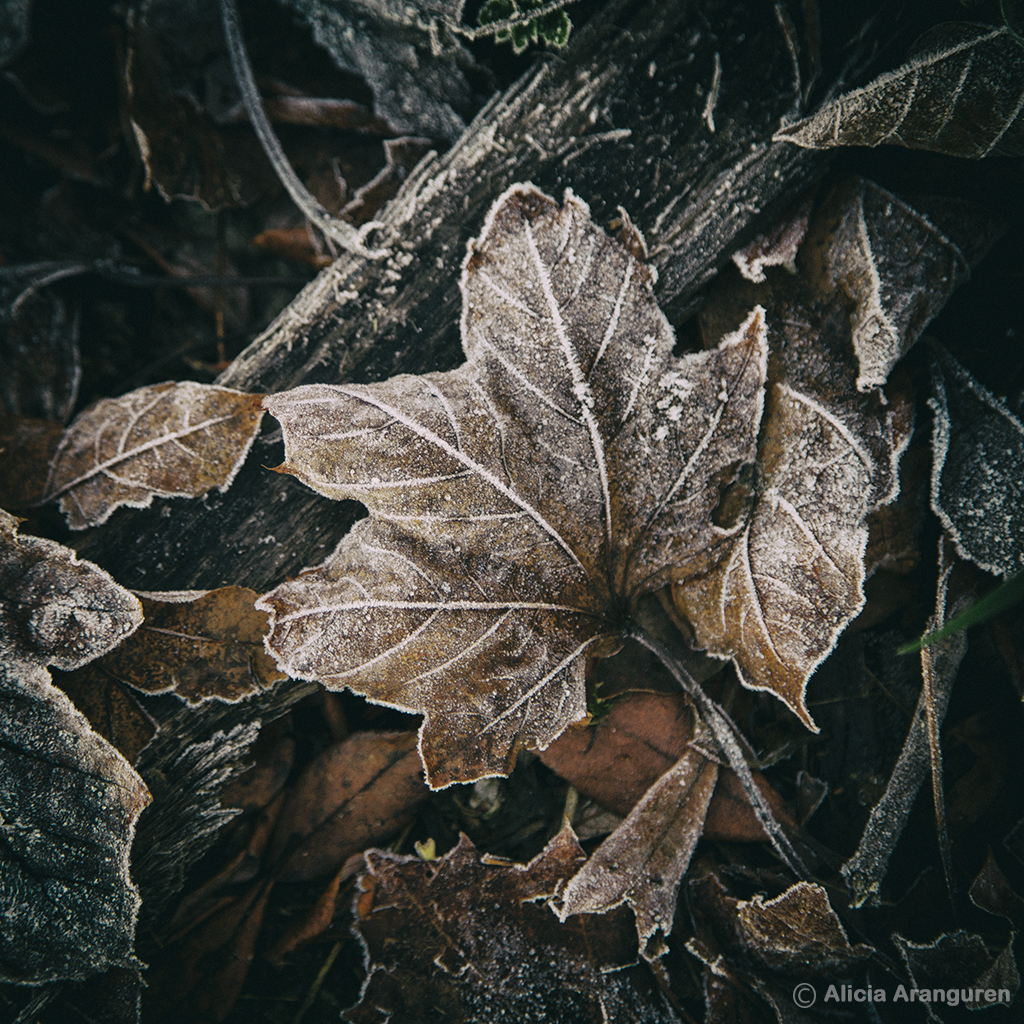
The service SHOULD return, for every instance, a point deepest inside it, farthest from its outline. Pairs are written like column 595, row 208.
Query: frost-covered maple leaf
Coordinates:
column 522, row 504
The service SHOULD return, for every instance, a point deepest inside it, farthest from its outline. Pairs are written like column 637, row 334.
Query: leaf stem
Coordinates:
column 725, row 733
column 340, row 231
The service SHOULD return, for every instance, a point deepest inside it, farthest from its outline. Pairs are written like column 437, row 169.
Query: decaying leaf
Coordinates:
column 68, row 800
column 959, row 93
column 791, row 523
column 777, row 247
column 111, row 708
column 977, row 469
column 469, row 939
column 210, row 647
column 54, row 609
column 961, row 962
column 165, row 440
column 897, row 267
column 510, row 531
column 643, row 861
column 26, row 448
column 759, row 948
column 356, row 793
column 865, row 870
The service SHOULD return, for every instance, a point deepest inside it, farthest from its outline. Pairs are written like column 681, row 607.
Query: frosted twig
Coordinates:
column 340, row 231
column 494, row 27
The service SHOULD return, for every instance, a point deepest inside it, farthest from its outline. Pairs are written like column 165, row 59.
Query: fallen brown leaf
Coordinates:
column 356, row 793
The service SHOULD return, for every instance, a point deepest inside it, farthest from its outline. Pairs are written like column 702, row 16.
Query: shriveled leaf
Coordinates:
column 165, row 440
column 977, row 469
column 798, row 931
column 643, row 861
column 54, row 609
column 207, row 648
column 356, row 793
column 961, row 93
column 777, row 247
column 759, row 949
column 469, row 939
column 69, row 803
column 898, row 269
column 510, row 530
column 992, row 891
column 865, row 870
column 961, row 961
column 791, row 525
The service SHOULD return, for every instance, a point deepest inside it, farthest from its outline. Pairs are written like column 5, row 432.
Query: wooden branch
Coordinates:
column 666, row 110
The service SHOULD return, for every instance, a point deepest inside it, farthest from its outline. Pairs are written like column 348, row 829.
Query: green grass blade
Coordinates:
column 1007, row 594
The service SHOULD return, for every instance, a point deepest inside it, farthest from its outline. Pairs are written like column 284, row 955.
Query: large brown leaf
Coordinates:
column 521, row 504
column 165, row 440
column 959, row 93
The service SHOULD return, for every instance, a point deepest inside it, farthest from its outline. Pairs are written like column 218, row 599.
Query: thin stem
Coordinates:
column 725, row 734
column 342, row 232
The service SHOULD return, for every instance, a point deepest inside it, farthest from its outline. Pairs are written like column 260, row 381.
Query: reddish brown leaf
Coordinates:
column 617, row 761
column 112, row 710
column 356, row 793
column 208, row 647
column 293, row 244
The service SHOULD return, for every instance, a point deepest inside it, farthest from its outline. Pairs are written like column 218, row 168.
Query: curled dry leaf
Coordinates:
column 791, row 526
column 521, row 505
column 643, row 861
column 865, row 870
column 898, row 269
column 758, row 947
column 960, row 93
column 977, row 469
column 356, row 793
column 165, row 440
column 210, row 647
column 468, row 938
